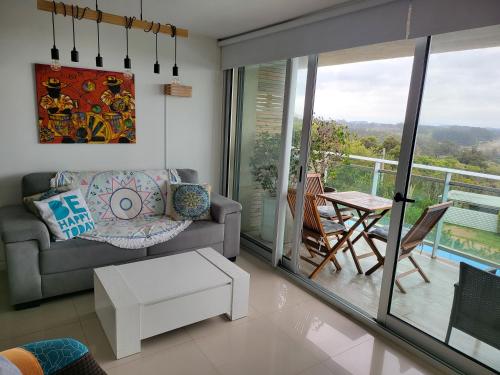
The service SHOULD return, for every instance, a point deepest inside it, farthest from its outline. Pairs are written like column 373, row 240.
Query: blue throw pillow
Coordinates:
column 189, row 201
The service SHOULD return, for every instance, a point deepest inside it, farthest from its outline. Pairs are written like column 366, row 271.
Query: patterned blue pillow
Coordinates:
column 189, row 201
column 54, row 355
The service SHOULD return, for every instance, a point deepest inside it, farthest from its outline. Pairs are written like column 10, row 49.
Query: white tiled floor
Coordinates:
column 288, row 331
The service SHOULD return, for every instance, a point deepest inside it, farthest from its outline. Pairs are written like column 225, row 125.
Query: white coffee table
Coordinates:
column 138, row 300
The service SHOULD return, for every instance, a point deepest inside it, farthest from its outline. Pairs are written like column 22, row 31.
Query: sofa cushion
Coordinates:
column 34, row 183
column 186, row 201
column 66, row 214
column 29, row 201
column 188, row 175
column 78, row 253
column 199, row 234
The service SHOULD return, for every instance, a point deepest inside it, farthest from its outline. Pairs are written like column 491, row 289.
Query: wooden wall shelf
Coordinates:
column 178, row 90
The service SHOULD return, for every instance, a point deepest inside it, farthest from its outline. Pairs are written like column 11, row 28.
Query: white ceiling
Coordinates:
column 216, row 18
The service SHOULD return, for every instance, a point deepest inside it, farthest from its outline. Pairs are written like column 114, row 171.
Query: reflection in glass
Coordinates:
column 260, row 139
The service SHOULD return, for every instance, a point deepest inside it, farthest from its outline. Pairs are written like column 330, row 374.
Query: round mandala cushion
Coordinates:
column 190, row 202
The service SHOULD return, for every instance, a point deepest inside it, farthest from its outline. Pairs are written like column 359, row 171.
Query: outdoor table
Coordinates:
column 370, row 209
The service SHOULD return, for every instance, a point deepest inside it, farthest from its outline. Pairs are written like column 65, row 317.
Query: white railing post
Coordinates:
column 439, row 228
column 376, row 177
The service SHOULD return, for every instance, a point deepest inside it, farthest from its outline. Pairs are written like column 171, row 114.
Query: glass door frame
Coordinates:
column 385, row 321
column 284, row 166
column 434, row 347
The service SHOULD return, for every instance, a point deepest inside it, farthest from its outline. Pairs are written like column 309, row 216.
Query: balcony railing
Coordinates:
column 378, row 169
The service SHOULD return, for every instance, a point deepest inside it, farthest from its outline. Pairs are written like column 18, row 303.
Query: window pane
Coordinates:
column 359, row 109
column 260, row 139
column 457, row 159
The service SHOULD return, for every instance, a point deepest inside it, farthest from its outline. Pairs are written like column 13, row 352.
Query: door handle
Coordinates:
column 400, row 198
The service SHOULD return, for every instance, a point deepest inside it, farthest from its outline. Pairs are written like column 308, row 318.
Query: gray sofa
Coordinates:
column 38, row 268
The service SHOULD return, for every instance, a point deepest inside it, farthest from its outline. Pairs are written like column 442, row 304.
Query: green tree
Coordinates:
column 392, row 147
column 371, row 142
column 472, row 157
column 329, row 145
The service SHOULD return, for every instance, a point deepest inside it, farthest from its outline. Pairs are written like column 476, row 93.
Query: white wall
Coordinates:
column 192, row 125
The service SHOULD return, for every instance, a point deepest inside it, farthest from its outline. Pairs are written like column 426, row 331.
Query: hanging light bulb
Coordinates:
column 127, row 63
column 98, row 59
column 55, row 65
column 74, row 52
column 175, row 68
column 156, row 67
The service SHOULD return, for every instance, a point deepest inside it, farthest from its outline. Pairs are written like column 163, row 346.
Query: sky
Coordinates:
column 461, row 88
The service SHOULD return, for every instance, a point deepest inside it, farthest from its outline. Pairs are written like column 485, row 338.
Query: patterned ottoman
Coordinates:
column 60, row 356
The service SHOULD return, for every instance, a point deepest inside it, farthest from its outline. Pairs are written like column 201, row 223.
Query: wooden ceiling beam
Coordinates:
column 113, row 19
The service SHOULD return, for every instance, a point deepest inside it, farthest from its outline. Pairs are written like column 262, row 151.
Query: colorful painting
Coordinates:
column 84, row 106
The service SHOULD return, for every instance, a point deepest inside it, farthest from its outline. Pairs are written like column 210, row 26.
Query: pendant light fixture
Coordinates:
column 156, row 67
column 127, row 63
column 175, row 68
column 55, row 65
column 98, row 59
column 74, row 52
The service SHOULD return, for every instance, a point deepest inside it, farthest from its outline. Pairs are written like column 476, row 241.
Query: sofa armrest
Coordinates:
column 221, row 207
column 19, row 225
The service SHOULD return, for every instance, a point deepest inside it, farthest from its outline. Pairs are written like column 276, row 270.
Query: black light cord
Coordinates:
column 126, row 38
column 128, row 25
column 156, row 40
column 98, row 59
column 156, row 46
column 98, row 21
column 156, row 67
column 54, row 11
column 54, row 52
column 150, row 27
column 73, row 22
column 127, row 63
column 141, row 10
column 74, row 52
column 175, row 68
column 78, row 17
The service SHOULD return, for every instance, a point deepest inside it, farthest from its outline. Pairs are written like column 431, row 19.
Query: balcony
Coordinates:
column 469, row 232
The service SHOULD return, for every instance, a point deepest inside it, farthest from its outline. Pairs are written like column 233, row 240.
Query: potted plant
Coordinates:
column 264, row 169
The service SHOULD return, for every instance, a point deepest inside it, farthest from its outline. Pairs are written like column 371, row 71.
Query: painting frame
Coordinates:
column 81, row 105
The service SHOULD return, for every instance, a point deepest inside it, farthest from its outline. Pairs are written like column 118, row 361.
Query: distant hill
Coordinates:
column 465, row 136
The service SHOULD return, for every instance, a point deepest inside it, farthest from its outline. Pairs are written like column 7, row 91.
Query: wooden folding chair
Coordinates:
column 316, row 232
column 414, row 237
column 314, row 185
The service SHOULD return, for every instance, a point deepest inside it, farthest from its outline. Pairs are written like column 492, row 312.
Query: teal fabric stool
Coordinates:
column 63, row 356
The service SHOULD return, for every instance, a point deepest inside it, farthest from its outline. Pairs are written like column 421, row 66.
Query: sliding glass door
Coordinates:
column 294, row 153
column 379, row 194
column 359, row 107
column 261, row 91
column 446, row 279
